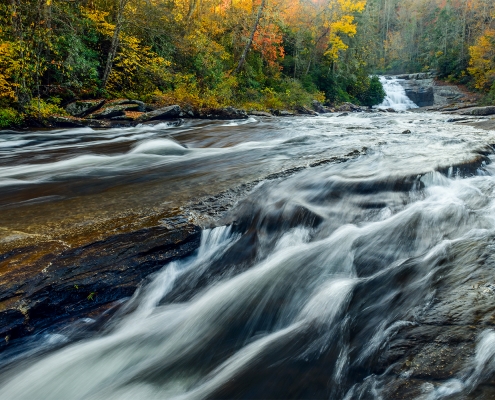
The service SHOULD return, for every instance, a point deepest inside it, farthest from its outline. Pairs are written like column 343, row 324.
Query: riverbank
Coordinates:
column 123, row 113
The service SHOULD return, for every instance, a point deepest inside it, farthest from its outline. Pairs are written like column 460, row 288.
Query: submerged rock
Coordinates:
column 260, row 113
column 283, row 113
column 319, row 108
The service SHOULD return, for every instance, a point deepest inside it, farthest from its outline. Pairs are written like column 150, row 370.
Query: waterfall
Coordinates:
column 396, row 97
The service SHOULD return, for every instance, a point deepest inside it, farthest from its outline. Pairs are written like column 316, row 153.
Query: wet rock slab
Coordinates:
column 73, row 282
column 439, row 343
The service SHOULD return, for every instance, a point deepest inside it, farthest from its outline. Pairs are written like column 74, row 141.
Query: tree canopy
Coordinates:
column 254, row 53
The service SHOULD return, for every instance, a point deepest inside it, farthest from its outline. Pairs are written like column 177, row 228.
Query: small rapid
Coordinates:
column 369, row 277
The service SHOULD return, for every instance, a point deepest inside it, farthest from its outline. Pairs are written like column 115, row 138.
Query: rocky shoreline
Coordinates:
column 122, row 113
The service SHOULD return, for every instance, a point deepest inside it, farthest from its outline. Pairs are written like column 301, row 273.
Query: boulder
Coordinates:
column 94, row 123
column 318, row 107
column 81, row 108
column 124, row 117
column 73, row 122
column 421, row 96
column 189, row 111
column 479, row 111
column 406, row 132
column 170, row 112
column 141, row 106
column 223, row 113
column 57, row 121
column 306, row 111
column 117, row 102
column 113, row 111
column 348, row 107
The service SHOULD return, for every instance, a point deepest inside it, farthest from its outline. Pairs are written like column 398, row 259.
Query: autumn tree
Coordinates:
column 482, row 63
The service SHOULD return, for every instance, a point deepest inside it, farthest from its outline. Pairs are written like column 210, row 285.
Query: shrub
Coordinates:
column 41, row 110
column 372, row 93
column 10, row 118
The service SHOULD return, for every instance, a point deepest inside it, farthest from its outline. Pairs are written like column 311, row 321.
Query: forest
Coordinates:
column 254, row 54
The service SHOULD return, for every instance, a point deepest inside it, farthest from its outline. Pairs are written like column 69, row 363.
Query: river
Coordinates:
column 364, row 270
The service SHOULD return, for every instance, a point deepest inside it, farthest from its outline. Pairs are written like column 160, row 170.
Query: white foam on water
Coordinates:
column 160, row 147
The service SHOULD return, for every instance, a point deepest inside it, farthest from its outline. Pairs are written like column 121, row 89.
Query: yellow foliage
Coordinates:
column 342, row 23
column 98, row 17
column 187, row 92
column 352, row 6
column 40, row 109
column 136, row 68
column 482, row 62
column 7, row 87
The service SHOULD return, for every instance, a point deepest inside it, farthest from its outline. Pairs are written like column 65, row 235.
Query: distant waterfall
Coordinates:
column 396, row 97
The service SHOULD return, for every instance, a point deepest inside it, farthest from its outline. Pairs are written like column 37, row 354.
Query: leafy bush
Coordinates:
column 489, row 98
column 372, row 92
column 10, row 118
column 41, row 110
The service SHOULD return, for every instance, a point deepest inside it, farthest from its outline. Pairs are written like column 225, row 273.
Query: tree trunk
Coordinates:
column 312, row 56
column 192, row 9
column 22, row 93
column 115, row 42
column 242, row 60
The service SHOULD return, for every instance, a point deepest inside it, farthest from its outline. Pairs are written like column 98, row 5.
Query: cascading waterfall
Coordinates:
column 396, row 97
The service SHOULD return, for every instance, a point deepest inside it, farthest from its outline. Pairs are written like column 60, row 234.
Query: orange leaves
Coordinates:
column 268, row 41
